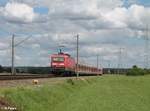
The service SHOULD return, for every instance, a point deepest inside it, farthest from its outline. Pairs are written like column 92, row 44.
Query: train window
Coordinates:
column 58, row 59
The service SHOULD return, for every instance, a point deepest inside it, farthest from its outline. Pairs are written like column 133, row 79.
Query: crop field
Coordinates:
column 106, row 93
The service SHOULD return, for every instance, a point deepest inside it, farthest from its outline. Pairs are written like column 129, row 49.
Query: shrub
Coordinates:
column 1, row 69
column 135, row 71
column 70, row 81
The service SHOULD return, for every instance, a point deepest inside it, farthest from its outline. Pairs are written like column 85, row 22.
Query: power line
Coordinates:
column 120, row 59
column 15, row 45
column 13, row 51
column 97, row 63
column 146, row 37
column 5, row 49
column 24, row 40
column 12, row 66
column 77, row 55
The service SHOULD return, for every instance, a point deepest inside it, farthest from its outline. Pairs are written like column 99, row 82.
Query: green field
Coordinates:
column 106, row 93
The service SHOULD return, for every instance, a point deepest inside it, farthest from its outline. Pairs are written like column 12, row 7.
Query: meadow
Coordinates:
column 104, row 93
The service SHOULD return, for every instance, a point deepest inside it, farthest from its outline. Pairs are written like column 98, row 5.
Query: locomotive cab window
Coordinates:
column 58, row 59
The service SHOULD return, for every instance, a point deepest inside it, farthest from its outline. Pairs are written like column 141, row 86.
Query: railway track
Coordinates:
column 25, row 76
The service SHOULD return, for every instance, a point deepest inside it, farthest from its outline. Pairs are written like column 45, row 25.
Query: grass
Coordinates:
column 107, row 93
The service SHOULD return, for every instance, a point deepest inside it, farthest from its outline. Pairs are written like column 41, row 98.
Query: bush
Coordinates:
column 147, row 71
column 1, row 69
column 70, row 81
column 135, row 71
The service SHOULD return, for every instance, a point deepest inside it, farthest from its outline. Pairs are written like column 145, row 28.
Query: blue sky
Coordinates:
column 144, row 2
column 140, row 2
column 103, row 27
column 3, row 2
column 44, row 10
column 41, row 10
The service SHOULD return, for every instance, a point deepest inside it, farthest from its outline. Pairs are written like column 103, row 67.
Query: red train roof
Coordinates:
column 61, row 54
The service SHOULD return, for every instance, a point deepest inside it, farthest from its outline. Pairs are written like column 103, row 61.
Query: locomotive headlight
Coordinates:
column 54, row 64
column 61, row 64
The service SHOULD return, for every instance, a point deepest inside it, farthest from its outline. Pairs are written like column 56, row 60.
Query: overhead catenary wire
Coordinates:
column 120, row 59
column 146, row 38
column 13, row 51
column 15, row 45
column 24, row 40
column 3, row 49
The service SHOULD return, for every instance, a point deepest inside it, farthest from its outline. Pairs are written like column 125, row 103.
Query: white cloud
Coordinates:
column 139, row 16
column 18, row 12
column 135, row 16
column 80, row 9
column 35, row 46
column 103, row 25
column 3, row 45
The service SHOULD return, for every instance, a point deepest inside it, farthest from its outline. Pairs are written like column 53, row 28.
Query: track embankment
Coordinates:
column 24, row 76
column 30, row 82
column 106, row 93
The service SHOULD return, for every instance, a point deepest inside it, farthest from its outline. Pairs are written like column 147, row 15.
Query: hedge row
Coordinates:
column 136, row 71
column 31, row 70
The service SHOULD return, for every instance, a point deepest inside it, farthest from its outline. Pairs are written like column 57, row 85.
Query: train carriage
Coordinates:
column 64, row 64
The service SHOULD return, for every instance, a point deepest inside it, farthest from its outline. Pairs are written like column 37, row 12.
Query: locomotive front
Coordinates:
column 62, row 63
column 57, row 63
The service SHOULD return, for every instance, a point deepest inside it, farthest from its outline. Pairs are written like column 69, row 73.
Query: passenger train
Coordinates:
column 64, row 64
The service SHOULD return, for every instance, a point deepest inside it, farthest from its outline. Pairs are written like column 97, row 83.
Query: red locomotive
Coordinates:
column 63, row 63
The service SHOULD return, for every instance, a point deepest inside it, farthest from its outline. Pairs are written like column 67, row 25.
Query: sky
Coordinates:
column 104, row 27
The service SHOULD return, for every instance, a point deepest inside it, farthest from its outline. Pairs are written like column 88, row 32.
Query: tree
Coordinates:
column 1, row 69
column 135, row 71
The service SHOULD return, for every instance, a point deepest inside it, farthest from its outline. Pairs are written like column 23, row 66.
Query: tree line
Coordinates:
column 30, row 70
